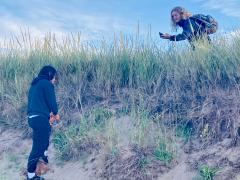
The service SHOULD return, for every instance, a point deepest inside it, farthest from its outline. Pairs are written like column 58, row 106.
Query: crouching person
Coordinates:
column 196, row 27
column 41, row 103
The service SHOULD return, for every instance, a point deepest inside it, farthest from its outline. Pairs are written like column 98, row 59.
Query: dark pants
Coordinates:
column 41, row 133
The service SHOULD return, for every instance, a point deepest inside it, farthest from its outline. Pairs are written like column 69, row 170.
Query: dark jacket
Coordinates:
column 42, row 99
column 192, row 30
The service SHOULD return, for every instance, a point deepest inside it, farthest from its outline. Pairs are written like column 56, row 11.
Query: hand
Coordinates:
column 57, row 117
column 53, row 118
column 165, row 36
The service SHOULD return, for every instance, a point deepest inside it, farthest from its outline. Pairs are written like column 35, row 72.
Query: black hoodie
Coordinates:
column 41, row 98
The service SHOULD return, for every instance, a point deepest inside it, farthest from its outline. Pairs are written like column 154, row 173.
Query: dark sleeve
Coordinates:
column 50, row 97
column 179, row 37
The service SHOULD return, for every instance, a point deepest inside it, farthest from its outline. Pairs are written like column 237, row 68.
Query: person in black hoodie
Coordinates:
column 41, row 102
column 195, row 27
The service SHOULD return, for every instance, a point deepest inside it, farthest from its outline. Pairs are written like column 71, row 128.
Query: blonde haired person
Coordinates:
column 195, row 27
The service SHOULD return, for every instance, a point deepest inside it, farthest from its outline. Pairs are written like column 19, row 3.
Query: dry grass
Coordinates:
column 160, row 90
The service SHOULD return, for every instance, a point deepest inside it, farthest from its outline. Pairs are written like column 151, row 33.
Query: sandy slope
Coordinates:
column 180, row 172
column 14, row 153
column 13, row 157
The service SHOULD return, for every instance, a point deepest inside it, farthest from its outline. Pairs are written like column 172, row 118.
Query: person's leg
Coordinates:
column 40, row 139
column 209, row 39
column 48, row 133
column 35, row 153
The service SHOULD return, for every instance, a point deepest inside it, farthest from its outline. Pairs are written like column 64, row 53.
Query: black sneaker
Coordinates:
column 35, row 178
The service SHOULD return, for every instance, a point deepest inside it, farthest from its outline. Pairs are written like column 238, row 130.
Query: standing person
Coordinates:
column 41, row 103
column 195, row 27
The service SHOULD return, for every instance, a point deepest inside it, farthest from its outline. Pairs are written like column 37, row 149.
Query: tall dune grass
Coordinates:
column 171, row 81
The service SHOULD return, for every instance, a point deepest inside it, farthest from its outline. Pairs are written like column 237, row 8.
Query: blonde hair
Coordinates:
column 183, row 13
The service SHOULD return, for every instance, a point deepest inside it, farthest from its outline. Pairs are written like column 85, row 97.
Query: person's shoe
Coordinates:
column 35, row 178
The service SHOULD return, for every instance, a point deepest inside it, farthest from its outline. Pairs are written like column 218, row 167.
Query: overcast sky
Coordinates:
column 97, row 18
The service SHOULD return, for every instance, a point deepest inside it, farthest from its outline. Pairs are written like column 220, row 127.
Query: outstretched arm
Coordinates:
column 179, row 37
